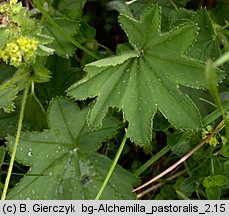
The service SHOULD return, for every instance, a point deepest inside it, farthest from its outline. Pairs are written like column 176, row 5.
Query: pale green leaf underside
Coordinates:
column 64, row 161
column 7, row 97
column 146, row 81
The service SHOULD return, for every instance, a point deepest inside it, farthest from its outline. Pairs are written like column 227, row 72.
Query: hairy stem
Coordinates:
column 57, row 27
column 111, row 170
column 6, row 185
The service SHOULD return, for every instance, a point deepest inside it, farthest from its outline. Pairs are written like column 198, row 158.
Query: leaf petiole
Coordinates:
column 111, row 170
column 54, row 24
column 145, row 166
column 6, row 185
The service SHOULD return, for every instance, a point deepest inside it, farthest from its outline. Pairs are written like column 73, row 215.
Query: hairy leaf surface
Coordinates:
column 63, row 161
column 147, row 79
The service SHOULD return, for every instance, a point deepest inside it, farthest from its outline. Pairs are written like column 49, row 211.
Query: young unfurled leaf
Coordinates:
column 146, row 79
column 63, row 161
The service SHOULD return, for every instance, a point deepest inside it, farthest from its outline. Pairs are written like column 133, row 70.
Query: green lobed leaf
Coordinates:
column 41, row 74
column 180, row 16
column 63, row 159
column 207, row 44
column 7, row 97
column 22, row 18
column 60, row 44
column 146, row 79
column 42, row 49
column 72, row 9
column 5, row 35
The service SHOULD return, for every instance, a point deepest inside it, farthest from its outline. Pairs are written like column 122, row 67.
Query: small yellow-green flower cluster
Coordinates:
column 206, row 131
column 13, row 1
column 28, row 47
column 23, row 50
column 213, row 140
column 5, row 6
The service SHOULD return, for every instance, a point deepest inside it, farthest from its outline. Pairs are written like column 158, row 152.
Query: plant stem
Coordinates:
column 6, row 185
column 214, row 115
column 158, row 185
column 199, row 145
column 130, row 2
column 70, row 38
column 111, row 170
column 206, row 121
column 173, row 4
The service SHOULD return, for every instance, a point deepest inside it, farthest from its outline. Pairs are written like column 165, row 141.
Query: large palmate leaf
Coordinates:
column 63, row 161
column 146, row 79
